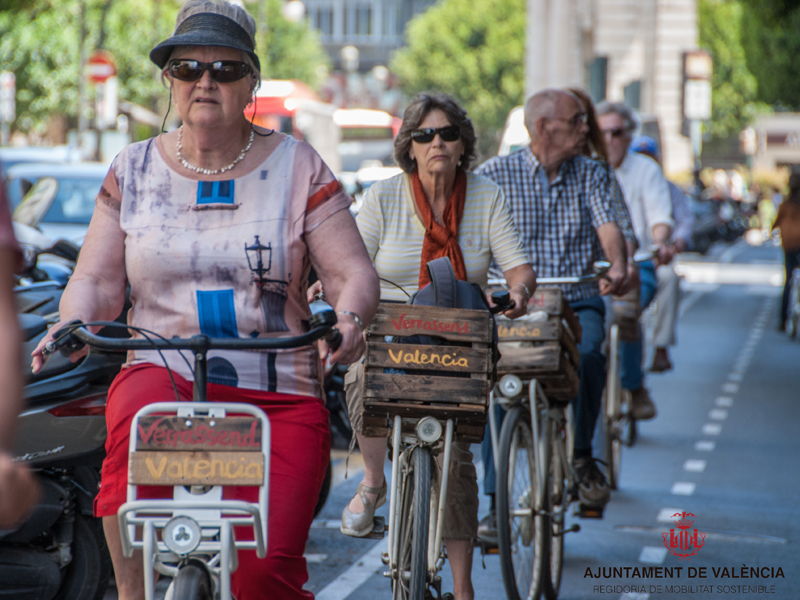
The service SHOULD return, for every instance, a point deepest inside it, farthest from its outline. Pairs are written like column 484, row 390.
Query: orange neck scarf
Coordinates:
column 440, row 240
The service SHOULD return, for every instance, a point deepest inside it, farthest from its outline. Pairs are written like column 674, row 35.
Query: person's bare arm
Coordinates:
column 517, row 277
column 348, row 278
column 10, row 351
column 19, row 491
column 96, row 291
column 661, row 233
column 613, row 244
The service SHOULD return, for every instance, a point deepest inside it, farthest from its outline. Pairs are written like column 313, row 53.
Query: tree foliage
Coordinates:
column 771, row 39
column 734, row 88
column 40, row 41
column 473, row 50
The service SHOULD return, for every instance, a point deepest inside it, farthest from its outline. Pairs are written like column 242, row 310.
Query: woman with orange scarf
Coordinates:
column 435, row 208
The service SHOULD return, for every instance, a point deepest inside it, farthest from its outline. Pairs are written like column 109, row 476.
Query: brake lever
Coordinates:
column 66, row 343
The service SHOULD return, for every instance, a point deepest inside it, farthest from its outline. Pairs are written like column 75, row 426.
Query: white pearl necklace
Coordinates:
column 191, row 167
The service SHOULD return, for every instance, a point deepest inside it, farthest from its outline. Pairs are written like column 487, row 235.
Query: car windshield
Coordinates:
column 74, row 201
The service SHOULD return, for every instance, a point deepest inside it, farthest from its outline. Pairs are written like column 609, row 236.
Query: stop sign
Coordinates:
column 100, row 67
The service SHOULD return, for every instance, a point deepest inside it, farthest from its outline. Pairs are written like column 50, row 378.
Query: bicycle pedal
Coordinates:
column 590, row 512
column 378, row 529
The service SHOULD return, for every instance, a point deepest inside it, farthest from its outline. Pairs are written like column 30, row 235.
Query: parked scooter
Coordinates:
column 60, row 551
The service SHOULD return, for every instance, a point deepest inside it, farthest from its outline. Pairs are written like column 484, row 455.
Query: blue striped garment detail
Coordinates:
column 217, row 314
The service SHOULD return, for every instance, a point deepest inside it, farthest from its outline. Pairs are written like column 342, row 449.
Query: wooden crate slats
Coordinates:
column 544, row 357
column 459, row 390
column 572, row 322
column 230, row 434
column 375, row 410
column 548, row 299
column 571, row 347
column 428, row 357
column 195, row 468
column 452, row 324
column 529, row 330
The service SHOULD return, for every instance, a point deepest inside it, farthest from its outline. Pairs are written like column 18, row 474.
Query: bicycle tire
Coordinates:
column 612, row 413
column 555, row 505
column 521, row 539
column 791, row 321
column 413, row 556
column 192, row 583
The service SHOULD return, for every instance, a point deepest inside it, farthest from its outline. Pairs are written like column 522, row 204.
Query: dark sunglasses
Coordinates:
column 221, row 71
column 448, row 134
column 615, row 133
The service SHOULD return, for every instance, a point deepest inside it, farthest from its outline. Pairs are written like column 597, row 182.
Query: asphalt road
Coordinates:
column 722, row 448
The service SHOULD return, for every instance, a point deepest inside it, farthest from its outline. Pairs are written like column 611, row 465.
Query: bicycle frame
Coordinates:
column 207, row 509
column 401, row 451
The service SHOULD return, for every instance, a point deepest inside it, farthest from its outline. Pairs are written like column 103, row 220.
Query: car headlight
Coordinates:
column 429, row 430
column 182, row 535
column 510, row 386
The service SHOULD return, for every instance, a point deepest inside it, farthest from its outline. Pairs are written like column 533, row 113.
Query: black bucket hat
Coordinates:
column 206, row 29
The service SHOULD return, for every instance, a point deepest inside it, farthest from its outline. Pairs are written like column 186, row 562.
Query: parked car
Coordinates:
column 11, row 155
column 58, row 200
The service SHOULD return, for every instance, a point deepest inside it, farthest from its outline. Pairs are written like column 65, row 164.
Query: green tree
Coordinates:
column 473, row 50
column 734, row 88
column 40, row 42
column 771, row 40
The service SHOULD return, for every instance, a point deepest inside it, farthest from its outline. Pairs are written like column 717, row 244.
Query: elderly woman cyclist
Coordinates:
column 172, row 220
column 435, row 208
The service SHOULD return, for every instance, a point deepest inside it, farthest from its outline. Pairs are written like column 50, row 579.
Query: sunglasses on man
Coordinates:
column 221, row 71
column 424, row 136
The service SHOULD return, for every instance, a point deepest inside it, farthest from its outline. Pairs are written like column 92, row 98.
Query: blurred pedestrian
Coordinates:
column 667, row 300
column 648, row 199
column 788, row 223
column 19, row 491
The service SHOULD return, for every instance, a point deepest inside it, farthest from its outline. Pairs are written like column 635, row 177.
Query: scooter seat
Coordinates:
column 31, row 325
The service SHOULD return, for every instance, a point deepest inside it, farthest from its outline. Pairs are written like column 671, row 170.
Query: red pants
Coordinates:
column 299, row 458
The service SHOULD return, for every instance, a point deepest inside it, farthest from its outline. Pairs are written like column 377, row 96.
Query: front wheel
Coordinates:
column 415, row 502
column 521, row 533
column 556, row 502
column 192, row 583
column 612, row 413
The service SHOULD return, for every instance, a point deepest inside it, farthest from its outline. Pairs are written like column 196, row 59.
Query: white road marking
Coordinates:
column 653, row 555
column 735, row 376
column 704, row 445
column 718, row 414
column 724, row 401
column 634, row 596
column 741, row 366
column 326, row 524
column 683, row 488
column 315, row 558
column 665, row 514
column 712, row 429
column 694, row 465
column 361, row 570
column 730, row 388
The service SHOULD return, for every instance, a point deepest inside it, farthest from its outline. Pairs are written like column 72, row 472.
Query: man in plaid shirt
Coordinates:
column 569, row 216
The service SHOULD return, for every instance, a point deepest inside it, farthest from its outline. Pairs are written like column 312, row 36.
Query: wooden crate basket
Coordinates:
column 627, row 311
column 447, row 380
column 543, row 345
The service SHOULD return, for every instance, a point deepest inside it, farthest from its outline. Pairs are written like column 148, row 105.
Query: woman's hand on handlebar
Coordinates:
column 352, row 345
column 520, row 306
column 316, row 288
column 38, row 359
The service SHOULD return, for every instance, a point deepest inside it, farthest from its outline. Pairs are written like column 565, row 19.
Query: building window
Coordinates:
column 364, row 20
column 324, row 19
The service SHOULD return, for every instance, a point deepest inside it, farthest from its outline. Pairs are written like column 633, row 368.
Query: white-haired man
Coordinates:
column 648, row 199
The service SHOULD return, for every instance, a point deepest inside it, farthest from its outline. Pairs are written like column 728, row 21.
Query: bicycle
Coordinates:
column 191, row 537
column 536, row 481
column 432, row 395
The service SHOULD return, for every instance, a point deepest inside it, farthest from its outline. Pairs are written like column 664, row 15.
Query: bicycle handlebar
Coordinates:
column 322, row 327
column 600, row 267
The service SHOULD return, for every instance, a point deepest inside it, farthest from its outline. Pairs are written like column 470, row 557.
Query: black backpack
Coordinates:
column 445, row 291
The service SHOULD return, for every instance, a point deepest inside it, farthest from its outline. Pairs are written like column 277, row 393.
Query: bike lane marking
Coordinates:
column 705, row 445
column 361, row 570
column 683, row 488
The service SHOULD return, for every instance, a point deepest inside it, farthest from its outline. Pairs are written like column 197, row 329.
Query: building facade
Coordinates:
column 375, row 27
column 620, row 50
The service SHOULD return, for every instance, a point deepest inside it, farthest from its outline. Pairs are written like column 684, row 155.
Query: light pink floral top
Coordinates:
column 187, row 267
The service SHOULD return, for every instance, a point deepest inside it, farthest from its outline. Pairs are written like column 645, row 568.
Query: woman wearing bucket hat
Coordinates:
column 173, row 220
